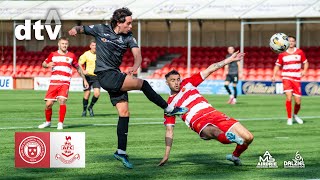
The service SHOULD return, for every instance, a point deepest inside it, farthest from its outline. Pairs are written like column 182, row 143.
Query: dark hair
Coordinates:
column 172, row 72
column 120, row 15
column 63, row 38
column 292, row 37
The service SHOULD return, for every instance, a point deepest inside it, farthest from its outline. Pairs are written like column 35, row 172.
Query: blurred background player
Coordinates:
column 232, row 76
column 112, row 42
column 88, row 59
column 201, row 116
column 291, row 61
column 61, row 62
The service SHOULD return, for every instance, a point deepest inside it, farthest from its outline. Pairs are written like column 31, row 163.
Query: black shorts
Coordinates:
column 92, row 81
column 233, row 78
column 112, row 81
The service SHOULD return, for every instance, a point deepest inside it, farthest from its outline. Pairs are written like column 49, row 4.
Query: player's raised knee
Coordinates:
column 248, row 138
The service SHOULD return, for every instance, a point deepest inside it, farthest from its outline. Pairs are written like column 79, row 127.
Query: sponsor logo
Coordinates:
column 258, row 88
column 32, row 149
column 297, row 162
column 38, row 27
column 312, row 89
column 267, row 161
column 176, row 9
column 67, row 155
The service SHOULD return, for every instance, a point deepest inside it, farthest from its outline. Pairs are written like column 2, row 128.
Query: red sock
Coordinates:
column 48, row 113
column 289, row 108
column 223, row 139
column 62, row 112
column 240, row 149
column 296, row 108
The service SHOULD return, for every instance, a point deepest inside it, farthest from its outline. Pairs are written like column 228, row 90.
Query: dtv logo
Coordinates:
column 38, row 27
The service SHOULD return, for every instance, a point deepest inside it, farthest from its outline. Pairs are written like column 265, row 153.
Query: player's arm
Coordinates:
column 137, row 60
column 275, row 71
column 76, row 30
column 213, row 67
column 305, row 68
column 168, row 141
column 48, row 62
column 239, row 70
column 85, row 83
column 83, row 60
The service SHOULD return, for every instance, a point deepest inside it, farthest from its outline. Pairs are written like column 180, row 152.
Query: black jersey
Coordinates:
column 110, row 46
column 233, row 66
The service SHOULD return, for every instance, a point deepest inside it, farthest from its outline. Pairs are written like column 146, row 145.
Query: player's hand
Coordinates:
column 50, row 65
column 85, row 72
column 86, row 85
column 273, row 79
column 163, row 161
column 235, row 57
column 73, row 32
column 130, row 70
column 303, row 73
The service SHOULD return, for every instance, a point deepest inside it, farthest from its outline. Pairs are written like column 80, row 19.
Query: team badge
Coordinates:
column 32, row 149
column 67, row 155
column 103, row 39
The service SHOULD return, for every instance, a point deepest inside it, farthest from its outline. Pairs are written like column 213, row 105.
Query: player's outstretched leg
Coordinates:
column 132, row 83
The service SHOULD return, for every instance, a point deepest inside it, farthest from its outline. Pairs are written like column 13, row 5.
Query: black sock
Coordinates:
column 152, row 95
column 122, row 132
column 85, row 104
column 228, row 89
column 93, row 101
column 235, row 92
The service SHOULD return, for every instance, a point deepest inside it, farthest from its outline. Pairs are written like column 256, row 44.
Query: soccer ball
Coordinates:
column 279, row 42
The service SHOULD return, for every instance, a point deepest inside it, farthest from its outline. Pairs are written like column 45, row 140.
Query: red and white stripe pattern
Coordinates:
column 190, row 97
column 62, row 70
column 291, row 64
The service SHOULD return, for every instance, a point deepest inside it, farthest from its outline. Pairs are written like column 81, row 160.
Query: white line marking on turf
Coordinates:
column 282, row 137
column 144, row 123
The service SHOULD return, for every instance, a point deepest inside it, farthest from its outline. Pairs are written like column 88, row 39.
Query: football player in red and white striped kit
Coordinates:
column 291, row 61
column 61, row 62
column 201, row 117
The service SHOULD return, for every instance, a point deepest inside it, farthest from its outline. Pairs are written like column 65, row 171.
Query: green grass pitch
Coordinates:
column 191, row 157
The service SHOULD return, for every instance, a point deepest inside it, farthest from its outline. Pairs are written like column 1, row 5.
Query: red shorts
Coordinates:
column 57, row 91
column 293, row 86
column 216, row 118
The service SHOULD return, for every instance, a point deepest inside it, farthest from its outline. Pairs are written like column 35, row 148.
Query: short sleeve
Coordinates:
column 279, row 61
column 74, row 61
column 83, row 59
column 195, row 79
column 49, row 58
column 132, row 42
column 169, row 120
column 92, row 30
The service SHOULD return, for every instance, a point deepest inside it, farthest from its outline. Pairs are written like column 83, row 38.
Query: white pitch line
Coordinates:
column 148, row 123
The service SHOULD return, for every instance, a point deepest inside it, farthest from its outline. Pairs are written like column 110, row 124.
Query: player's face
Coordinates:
column 292, row 42
column 63, row 45
column 173, row 81
column 230, row 50
column 93, row 47
column 126, row 26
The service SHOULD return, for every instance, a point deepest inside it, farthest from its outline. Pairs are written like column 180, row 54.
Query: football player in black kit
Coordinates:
column 112, row 41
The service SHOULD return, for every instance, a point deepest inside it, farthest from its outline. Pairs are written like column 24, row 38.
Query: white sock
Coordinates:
column 121, row 151
column 231, row 96
column 169, row 109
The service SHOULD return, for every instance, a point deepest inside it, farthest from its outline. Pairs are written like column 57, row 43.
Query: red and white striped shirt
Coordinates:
column 189, row 97
column 291, row 64
column 62, row 70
